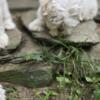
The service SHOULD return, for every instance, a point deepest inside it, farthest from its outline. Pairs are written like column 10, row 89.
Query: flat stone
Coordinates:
column 28, row 16
column 22, row 4
column 30, row 75
column 28, row 46
column 85, row 33
column 15, row 38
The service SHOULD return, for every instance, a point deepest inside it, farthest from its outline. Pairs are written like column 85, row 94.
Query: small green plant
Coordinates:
column 68, row 59
column 34, row 57
column 96, row 94
column 63, row 81
column 46, row 94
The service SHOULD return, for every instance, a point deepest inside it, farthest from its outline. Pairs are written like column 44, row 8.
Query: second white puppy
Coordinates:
column 64, row 14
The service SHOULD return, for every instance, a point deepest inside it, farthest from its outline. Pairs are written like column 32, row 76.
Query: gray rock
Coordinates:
column 31, row 75
column 15, row 38
column 95, row 52
column 27, row 48
column 28, row 16
column 84, row 33
column 22, row 4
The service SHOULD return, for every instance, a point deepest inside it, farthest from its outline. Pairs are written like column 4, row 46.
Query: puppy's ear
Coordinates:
column 43, row 2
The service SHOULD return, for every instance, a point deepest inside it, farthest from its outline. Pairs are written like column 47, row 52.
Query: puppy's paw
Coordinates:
column 9, row 24
column 71, row 22
column 74, row 23
column 36, row 26
column 3, row 40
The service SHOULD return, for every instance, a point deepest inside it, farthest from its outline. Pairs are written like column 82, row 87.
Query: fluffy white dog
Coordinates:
column 2, row 93
column 5, row 23
column 66, row 14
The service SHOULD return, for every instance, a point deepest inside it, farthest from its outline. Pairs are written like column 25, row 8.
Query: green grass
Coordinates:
column 75, row 70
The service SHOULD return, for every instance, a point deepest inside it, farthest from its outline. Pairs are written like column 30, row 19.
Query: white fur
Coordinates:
column 3, row 40
column 6, row 22
column 2, row 93
column 63, row 13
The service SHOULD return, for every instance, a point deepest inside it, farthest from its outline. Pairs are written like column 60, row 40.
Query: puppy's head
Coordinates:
column 43, row 2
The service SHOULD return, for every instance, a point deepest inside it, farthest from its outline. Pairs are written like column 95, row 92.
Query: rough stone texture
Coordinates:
column 22, row 4
column 28, row 17
column 15, row 38
column 27, row 48
column 94, row 51
column 85, row 33
column 31, row 75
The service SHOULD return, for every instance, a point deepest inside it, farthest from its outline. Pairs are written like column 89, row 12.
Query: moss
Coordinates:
column 31, row 76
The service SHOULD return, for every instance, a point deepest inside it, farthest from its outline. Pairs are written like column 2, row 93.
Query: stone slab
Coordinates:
column 15, row 39
column 22, row 4
column 85, row 33
column 30, row 75
column 28, row 16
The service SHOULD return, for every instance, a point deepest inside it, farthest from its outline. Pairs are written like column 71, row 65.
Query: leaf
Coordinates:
column 97, row 94
column 63, row 79
column 93, row 79
column 88, row 79
column 37, row 57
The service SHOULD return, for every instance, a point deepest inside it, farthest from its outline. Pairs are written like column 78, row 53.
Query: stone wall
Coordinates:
column 25, row 4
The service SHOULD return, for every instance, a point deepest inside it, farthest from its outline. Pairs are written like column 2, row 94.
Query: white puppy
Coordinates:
column 2, row 93
column 5, row 23
column 64, row 14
